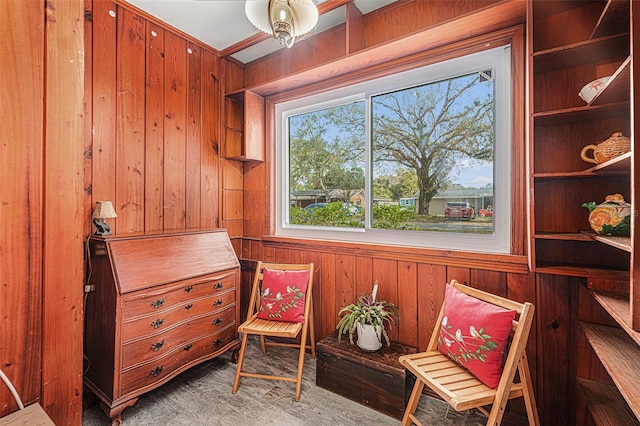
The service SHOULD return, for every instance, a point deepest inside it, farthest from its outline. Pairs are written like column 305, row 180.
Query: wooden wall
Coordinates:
column 151, row 145
column 155, row 114
column 41, row 198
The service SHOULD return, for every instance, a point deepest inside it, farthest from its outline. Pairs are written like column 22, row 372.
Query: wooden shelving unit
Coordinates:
column 573, row 43
column 244, row 126
column 620, row 357
column 608, row 406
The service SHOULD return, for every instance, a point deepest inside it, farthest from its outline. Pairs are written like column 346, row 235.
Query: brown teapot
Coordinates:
column 613, row 147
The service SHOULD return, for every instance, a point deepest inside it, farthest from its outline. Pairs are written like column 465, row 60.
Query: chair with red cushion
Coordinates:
column 280, row 306
column 464, row 364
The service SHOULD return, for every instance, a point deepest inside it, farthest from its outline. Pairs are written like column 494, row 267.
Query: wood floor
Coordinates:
column 202, row 396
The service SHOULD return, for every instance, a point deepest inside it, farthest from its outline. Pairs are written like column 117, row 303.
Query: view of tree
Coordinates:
column 422, row 138
column 403, row 184
column 324, row 155
column 433, row 129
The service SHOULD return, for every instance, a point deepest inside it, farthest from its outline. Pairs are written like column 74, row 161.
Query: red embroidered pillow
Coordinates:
column 283, row 293
column 474, row 334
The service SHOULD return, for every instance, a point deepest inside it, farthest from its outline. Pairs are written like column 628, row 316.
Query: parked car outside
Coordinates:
column 313, row 206
column 459, row 210
column 486, row 212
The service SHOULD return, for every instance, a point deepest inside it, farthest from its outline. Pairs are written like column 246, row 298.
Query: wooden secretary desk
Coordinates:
column 156, row 306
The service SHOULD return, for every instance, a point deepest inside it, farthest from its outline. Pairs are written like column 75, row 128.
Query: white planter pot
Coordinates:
column 369, row 338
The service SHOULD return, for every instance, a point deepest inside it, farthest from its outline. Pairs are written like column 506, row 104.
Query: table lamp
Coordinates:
column 104, row 210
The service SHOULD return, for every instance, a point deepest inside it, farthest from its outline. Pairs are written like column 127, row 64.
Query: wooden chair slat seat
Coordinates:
column 278, row 329
column 271, row 328
column 459, row 387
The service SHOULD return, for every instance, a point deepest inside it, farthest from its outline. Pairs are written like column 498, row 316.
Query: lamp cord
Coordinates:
column 7, row 382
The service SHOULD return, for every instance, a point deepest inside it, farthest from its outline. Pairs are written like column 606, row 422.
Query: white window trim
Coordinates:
column 498, row 242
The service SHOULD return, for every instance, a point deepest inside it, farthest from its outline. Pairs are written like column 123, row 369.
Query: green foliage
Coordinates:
column 367, row 311
column 333, row 214
column 392, row 217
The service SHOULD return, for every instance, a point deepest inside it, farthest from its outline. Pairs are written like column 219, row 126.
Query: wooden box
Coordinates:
column 374, row 379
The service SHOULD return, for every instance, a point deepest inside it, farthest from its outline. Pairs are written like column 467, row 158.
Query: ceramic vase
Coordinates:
column 369, row 337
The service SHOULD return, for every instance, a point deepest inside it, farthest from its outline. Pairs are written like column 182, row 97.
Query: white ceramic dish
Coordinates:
column 591, row 89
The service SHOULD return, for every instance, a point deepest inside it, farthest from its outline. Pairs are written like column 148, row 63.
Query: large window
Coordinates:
column 418, row 158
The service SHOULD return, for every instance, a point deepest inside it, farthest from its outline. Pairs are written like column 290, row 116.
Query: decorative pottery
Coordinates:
column 591, row 89
column 613, row 147
column 369, row 337
column 611, row 217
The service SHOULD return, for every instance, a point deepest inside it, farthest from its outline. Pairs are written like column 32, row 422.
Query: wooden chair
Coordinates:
column 462, row 390
column 278, row 329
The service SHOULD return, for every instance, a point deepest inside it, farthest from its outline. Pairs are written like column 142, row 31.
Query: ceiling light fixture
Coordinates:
column 283, row 19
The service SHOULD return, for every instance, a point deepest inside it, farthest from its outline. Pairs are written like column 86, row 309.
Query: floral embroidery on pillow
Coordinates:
column 283, row 295
column 474, row 334
column 473, row 345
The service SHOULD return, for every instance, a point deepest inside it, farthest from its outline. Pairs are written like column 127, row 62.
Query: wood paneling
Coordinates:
column 21, row 162
column 556, row 324
column 156, row 116
column 154, row 131
column 63, row 219
column 103, row 69
column 175, row 124
column 210, row 168
column 194, row 129
column 130, row 119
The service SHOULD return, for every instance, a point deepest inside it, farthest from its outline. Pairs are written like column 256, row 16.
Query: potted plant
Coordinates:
column 367, row 318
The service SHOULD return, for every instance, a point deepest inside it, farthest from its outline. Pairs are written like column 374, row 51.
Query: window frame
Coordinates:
column 499, row 241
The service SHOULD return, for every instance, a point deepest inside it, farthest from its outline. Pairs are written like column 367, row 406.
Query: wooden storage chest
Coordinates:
column 157, row 305
column 374, row 379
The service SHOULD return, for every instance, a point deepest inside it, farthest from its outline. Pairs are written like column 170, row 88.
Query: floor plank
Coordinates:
column 202, row 396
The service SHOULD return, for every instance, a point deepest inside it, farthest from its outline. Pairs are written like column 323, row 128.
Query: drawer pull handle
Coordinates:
column 218, row 286
column 157, row 303
column 188, row 288
column 217, row 321
column 157, row 323
column 156, row 371
column 189, row 306
column 218, row 302
column 186, row 348
column 156, row 346
column 217, row 342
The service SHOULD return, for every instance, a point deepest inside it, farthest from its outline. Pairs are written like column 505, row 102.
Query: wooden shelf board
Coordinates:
column 614, row 19
column 620, row 356
column 617, row 89
column 620, row 310
column 581, row 113
column 584, row 52
column 622, row 243
column 622, row 163
column 606, row 404
column 580, row 271
column 563, row 236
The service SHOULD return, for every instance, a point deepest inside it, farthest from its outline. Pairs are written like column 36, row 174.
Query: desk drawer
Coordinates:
column 158, row 344
column 152, row 301
column 157, row 370
column 168, row 318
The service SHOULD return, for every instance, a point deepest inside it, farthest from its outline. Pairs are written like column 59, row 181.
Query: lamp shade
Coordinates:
column 268, row 16
column 103, row 210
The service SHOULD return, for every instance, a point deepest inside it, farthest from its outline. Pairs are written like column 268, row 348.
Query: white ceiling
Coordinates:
column 222, row 23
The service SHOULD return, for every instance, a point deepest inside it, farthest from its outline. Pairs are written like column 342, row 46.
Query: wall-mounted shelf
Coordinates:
column 244, row 126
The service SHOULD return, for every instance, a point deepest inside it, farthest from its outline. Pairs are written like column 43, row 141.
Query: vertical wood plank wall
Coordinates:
column 156, row 123
column 63, row 221
column 21, row 164
column 42, row 219
column 152, row 146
